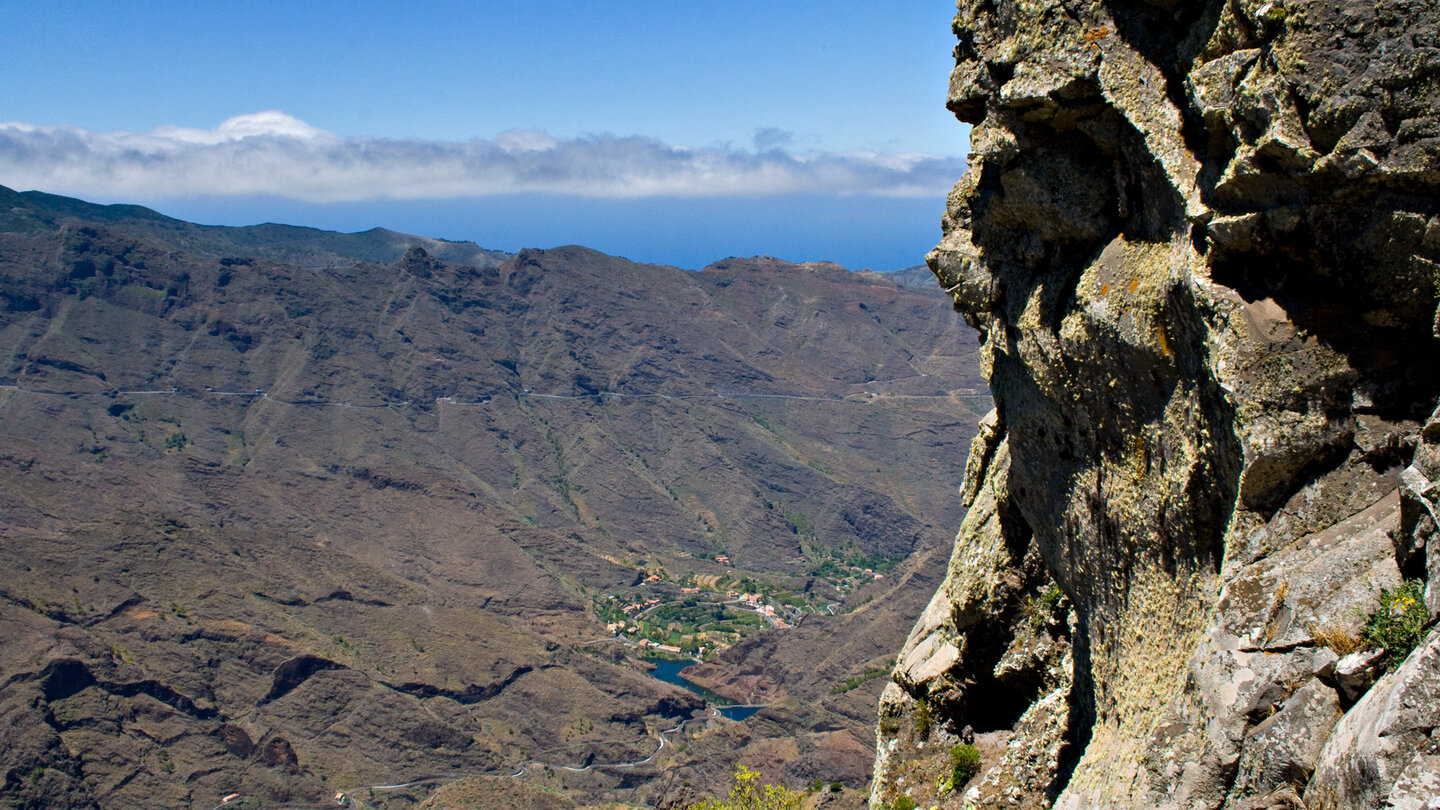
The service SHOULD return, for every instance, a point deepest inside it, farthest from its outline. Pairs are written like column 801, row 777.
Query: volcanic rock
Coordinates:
column 1200, row 242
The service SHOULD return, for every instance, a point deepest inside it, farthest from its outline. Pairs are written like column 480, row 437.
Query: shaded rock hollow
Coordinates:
column 1200, row 243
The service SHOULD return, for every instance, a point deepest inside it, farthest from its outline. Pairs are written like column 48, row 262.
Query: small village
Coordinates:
column 697, row 617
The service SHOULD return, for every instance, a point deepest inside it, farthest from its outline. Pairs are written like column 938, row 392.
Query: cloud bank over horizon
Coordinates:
column 271, row 153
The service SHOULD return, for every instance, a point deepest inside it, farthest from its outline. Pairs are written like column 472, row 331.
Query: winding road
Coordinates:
column 714, row 713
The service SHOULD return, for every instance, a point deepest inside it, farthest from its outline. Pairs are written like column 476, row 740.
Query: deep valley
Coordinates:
column 285, row 513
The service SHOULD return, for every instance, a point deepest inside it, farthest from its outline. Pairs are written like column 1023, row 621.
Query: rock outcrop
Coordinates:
column 1201, row 242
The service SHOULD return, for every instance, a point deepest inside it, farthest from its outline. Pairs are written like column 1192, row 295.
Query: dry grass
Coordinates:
column 1337, row 637
column 1279, row 602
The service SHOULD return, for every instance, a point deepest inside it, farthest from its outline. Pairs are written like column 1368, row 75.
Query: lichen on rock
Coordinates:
column 1201, row 242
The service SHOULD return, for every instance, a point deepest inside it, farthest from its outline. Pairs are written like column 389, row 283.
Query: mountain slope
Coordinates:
column 281, row 519
column 37, row 212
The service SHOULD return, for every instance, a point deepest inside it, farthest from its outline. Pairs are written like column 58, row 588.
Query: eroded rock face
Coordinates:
column 1201, row 241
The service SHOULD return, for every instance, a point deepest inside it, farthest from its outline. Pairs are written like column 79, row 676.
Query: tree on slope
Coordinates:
column 748, row 794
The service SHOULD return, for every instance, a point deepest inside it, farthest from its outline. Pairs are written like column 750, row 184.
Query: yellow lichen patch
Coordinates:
column 1139, row 455
column 1135, row 666
column 1162, row 339
column 1094, row 35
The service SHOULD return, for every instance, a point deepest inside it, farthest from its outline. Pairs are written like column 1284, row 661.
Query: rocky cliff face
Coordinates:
column 1200, row 241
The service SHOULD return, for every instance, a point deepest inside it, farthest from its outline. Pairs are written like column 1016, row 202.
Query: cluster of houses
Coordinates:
column 619, row 627
column 753, row 600
column 637, row 606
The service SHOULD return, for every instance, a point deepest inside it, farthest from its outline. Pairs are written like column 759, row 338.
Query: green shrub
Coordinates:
column 1052, row 596
column 1399, row 624
column 857, row 680
column 964, row 763
column 748, row 794
column 1043, row 610
column 902, row 803
column 922, row 720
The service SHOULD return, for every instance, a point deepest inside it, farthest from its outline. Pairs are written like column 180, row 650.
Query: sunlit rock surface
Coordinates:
column 1200, row 241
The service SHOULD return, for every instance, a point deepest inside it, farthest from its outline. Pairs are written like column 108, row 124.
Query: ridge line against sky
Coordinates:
column 676, row 133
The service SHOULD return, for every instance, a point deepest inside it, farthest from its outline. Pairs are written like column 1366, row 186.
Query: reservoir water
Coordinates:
column 669, row 672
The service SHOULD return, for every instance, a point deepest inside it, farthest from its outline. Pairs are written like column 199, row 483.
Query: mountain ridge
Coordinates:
column 25, row 210
column 363, row 516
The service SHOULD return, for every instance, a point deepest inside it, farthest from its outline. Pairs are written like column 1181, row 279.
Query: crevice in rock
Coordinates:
column 134, row 600
column 294, row 672
column 345, row 596
column 162, row 693
column 474, row 693
column 1270, row 500
column 1171, row 39
column 1081, row 720
column 1168, row 38
column 64, row 678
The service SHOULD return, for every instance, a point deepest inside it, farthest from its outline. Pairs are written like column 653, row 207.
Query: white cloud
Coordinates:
column 525, row 140
column 271, row 122
column 274, row 153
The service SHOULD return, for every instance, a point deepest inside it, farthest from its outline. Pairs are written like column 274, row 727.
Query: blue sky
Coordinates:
column 675, row 132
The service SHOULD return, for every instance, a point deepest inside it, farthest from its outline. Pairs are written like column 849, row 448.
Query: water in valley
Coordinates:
column 669, row 672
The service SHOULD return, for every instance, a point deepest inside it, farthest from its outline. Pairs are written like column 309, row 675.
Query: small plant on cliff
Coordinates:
column 1042, row 610
column 1399, row 624
column 902, row 803
column 964, row 763
column 748, row 794
column 922, row 720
